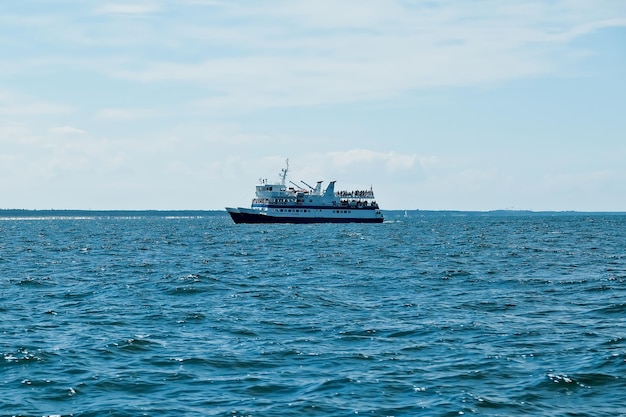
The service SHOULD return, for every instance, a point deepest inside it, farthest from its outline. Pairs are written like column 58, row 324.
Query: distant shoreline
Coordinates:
column 30, row 213
column 4, row 213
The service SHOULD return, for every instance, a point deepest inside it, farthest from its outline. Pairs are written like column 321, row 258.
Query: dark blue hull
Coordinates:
column 262, row 218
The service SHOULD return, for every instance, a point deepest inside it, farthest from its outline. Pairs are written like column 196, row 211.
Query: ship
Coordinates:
column 280, row 203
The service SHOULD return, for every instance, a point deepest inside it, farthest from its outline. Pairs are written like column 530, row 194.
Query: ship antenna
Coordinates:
column 283, row 172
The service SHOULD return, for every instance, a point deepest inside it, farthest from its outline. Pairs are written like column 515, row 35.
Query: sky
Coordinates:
column 437, row 105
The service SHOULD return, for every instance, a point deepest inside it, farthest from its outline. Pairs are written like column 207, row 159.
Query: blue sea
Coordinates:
column 428, row 314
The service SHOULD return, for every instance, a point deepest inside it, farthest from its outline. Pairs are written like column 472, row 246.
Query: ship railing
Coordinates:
column 358, row 203
column 364, row 194
column 279, row 201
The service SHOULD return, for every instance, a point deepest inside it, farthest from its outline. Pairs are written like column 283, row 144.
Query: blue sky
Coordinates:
column 185, row 104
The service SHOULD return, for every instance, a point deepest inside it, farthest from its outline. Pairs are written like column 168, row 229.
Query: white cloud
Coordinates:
column 21, row 106
column 67, row 130
column 586, row 28
column 303, row 53
column 170, row 92
column 13, row 134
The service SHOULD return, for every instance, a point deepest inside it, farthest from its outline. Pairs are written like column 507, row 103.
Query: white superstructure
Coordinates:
column 279, row 203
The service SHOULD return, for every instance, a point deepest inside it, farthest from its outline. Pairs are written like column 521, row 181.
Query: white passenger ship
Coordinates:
column 277, row 203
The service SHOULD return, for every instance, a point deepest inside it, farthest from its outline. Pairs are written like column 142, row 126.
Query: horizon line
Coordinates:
column 5, row 211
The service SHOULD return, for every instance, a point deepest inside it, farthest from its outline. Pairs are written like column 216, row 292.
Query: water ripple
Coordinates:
column 430, row 315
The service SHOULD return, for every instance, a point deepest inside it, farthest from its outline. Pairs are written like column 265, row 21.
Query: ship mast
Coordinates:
column 283, row 172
